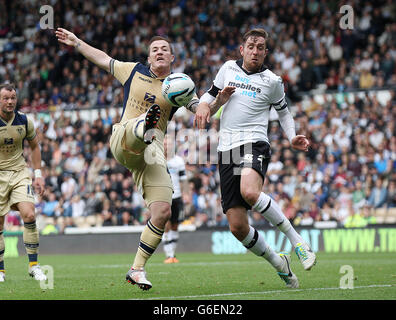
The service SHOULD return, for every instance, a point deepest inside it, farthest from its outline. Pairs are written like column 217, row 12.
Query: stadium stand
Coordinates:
column 340, row 85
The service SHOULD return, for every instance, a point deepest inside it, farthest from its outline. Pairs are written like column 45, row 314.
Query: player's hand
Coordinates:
column 203, row 111
column 66, row 37
column 39, row 186
column 300, row 142
column 202, row 115
column 224, row 95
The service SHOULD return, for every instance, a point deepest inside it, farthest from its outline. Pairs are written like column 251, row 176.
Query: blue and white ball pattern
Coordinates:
column 178, row 89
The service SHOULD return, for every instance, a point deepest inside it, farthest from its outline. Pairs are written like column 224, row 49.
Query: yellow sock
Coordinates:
column 149, row 241
column 31, row 241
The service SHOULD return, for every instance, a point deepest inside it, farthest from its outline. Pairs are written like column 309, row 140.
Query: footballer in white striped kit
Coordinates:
column 247, row 90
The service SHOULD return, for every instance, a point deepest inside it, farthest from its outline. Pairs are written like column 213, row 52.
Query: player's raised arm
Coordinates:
column 98, row 57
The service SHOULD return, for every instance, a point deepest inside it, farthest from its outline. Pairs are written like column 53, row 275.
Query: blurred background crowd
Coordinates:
column 349, row 170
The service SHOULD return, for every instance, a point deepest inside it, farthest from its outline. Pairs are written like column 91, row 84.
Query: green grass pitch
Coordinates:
column 204, row 276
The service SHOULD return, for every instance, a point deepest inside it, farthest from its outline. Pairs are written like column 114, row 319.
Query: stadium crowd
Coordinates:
column 349, row 170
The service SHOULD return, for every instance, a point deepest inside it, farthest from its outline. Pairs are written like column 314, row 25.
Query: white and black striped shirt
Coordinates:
column 245, row 116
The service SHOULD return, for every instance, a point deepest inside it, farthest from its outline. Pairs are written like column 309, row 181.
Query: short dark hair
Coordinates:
column 156, row 38
column 7, row 86
column 255, row 33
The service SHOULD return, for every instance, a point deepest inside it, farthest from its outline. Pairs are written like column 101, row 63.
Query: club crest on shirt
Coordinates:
column 150, row 98
column 8, row 141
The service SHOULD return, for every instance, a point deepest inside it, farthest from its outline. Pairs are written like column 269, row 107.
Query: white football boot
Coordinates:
column 2, row 276
column 286, row 274
column 36, row 272
column 138, row 277
column 306, row 255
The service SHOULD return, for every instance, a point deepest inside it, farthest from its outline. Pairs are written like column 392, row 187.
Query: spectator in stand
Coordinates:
column 314, row 211
column 274, row 171
column 358, row 196
column 378, row 194
column 107, row 214
column 391, row 195
column 50, row 205
column 327, row 213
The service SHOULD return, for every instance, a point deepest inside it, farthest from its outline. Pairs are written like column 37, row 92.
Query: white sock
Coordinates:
column 167, row 245
column 174, row 238
column 256, row 244
column 270, row 210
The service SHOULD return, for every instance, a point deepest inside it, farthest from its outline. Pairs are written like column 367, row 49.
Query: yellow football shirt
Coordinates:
column 12, row 136
column 141, row 90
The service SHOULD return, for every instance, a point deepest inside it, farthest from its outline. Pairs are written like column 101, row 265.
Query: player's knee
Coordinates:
column 161, row 212
column 29, row 216
column 250, row 195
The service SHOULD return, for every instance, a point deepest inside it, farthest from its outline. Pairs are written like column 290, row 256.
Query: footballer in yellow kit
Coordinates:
column 145, row 116
column 16, row 188
column 15, row 180
column 142, row 89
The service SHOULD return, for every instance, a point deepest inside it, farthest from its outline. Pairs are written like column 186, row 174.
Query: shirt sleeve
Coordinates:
column 31, row 132
column 278, row 97
column 121, row 70
column 218, row 83
column 278, row 101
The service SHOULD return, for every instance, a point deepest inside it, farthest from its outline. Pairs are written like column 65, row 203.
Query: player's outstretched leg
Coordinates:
column 286, row 273
column 144, row 128
column 270, row 210
column 135, row 134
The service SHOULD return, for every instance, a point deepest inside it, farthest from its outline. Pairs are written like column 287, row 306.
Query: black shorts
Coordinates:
column 252, row 155
column 177, row 210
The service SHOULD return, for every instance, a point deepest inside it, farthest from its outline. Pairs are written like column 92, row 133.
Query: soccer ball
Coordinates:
column 178, row 89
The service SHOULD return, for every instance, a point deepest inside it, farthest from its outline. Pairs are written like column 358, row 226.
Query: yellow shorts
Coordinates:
column 15, row 187
column 148, row 167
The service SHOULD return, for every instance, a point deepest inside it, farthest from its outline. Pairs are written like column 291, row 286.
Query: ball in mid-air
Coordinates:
column 178, row 89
